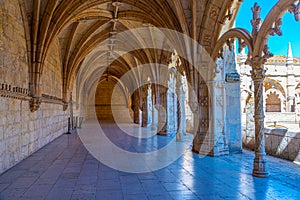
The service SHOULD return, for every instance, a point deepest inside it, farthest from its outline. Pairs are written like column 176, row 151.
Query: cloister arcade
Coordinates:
column 57, row 54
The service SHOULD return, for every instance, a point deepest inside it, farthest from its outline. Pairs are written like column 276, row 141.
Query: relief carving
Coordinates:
column 295, row 9
column 35, row 103
column 214, row 12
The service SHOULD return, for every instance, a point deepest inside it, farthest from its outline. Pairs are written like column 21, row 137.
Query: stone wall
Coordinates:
column 111, row 103
column 52, row 72
column 21, row 131
column 13, row 54
column 280, row 118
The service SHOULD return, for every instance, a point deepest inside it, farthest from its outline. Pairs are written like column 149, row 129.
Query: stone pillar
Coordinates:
column 154, row 114
column 146, row 110
column 150, row 105
column 233, row 96
column 71, row 110
column 233, row 114
column 162, row 113
column 171, row 108
column 136, row 108
column 181, row 122
column 199, row 104
column 258, row 76
column 217, row 142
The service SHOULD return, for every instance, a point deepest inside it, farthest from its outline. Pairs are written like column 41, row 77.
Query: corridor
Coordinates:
column 64, row 169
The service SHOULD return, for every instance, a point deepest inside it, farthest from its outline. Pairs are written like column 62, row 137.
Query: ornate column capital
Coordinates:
column 258, row 73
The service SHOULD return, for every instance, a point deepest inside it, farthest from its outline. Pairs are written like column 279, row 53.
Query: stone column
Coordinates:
column 136, row 108
column 71, row 111
column 199, row 106
column 171, row 108
column 181, row 123
column 217, row 142
column 258, row 76
column 162, row 113
column 145, row 107
column 154, row 114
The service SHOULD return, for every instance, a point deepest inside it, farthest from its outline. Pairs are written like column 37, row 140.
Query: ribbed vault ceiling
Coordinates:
column 84, row 29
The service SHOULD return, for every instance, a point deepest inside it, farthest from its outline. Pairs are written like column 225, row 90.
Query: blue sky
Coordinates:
column 290, row 28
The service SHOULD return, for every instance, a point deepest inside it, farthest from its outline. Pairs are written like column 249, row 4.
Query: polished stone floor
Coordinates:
column 64, row 169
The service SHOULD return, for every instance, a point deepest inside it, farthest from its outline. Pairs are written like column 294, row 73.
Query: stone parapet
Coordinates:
column 280, row 143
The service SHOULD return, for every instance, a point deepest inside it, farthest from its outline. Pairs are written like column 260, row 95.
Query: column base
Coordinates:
column 259, row 174
column 162, row 134
column 153, row 127
column 211, row 152
column 259, row 169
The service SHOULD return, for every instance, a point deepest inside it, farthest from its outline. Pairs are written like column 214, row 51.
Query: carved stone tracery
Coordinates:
column 295, row 9
column 256, row 20
column 276, row 29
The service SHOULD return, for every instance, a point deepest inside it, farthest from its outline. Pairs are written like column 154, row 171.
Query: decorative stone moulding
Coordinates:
column 203, row 101
column 232, row 78
column 9, row 91
column 204, row 122
column 52, row 99
column 12, row 92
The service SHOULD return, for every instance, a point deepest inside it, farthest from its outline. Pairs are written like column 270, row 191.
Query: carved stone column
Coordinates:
column 258, row 76
column 171, row 109
column 217, row 141
column 136, row 108
column 162, row 113
column 181, row 123
column 199, row 106
column 145, row 107
column 154, row 114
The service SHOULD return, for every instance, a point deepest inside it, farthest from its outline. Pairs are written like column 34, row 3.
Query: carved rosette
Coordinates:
column 35, row 103
column 203, row 101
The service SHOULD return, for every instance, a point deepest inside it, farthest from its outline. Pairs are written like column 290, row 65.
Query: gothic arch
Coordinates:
column 274, row 84
column 267, row 28
column 243, row 35
column 27, row 33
